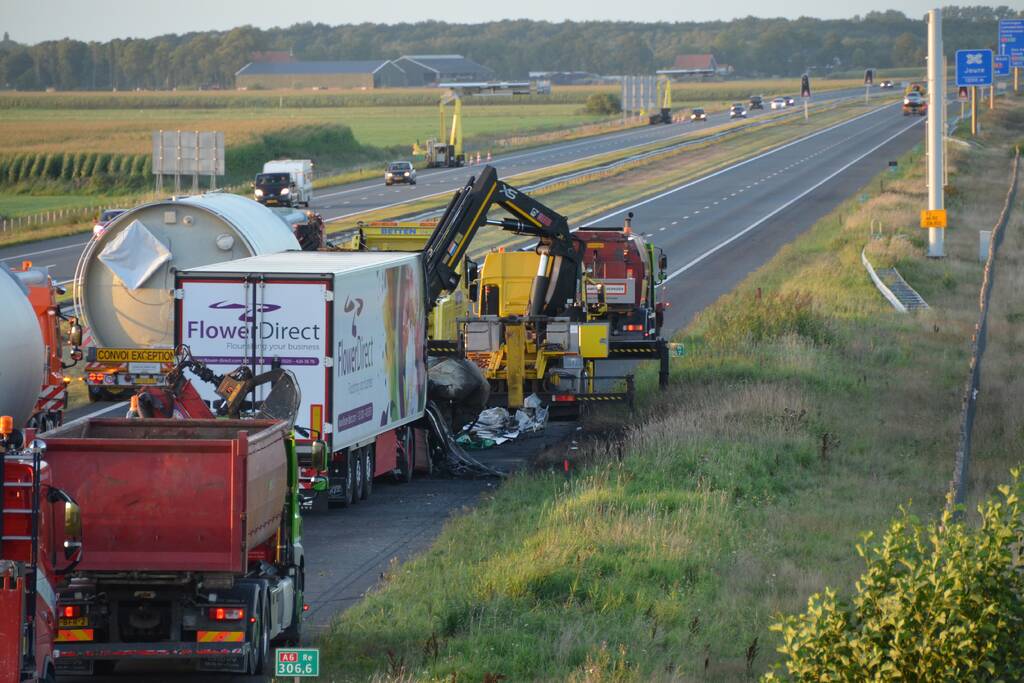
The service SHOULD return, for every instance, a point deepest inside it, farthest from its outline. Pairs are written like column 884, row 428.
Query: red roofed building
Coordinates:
column 692, row 66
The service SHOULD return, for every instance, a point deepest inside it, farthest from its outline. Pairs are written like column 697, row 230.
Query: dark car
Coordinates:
column 790, row 100
column 105, row 218
column 400, row 172
column 273, row 189
column 887, row 84
column 737, row 111
column 756, row 102
column 698, row 114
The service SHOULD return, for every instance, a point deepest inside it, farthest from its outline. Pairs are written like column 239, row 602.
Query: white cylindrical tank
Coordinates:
column 195, row 231
column 22, row 352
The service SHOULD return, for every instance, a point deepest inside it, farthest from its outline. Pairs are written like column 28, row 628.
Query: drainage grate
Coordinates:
column 901, row 290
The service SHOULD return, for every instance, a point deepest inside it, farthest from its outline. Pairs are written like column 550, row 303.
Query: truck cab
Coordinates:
column 31, row 560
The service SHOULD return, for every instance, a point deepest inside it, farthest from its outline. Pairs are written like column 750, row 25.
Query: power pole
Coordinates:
column 937, row 100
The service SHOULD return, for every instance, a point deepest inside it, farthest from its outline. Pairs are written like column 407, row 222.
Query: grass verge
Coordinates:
column 805, row 413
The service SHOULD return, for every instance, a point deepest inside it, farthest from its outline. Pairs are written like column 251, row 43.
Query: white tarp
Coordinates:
column 134, row 255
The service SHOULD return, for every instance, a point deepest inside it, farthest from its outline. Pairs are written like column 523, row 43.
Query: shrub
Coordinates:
column 766, row 318
column 603, row 103
column 936, row 603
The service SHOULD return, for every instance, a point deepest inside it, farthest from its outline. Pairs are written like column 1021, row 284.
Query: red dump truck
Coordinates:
column 194, row 542
column 30, row 564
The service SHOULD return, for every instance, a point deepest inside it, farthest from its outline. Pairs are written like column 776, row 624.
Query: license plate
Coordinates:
column 145, row 380
column 73, row 622
column 144, row 368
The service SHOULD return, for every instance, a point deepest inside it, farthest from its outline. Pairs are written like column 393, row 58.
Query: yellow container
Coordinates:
column 594, row 340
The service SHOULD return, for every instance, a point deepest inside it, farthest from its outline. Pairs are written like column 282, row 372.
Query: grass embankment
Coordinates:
column 805, row 412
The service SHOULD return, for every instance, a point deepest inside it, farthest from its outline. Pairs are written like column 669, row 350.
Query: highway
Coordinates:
column 715, row 230
column 339, row 203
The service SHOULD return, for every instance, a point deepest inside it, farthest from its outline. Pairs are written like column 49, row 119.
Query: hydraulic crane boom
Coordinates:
column 561, row 254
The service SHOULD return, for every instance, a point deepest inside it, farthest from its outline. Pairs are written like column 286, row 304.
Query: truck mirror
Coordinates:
column 75, row 332
column 72, row 530
column 319, row 455
column 663, row 264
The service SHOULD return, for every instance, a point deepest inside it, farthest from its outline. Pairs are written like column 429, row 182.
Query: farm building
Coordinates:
column 378, row 73
column 691, row 66
column 433, row 69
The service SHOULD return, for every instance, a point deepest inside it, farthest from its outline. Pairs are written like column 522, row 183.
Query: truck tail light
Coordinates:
column 71, row 611
column 96, row 377
column 633, row 328
column 226, row 613
column 563, row 398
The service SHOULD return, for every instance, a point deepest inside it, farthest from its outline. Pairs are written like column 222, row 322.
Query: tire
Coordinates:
column 413, row 182
column 261, row 639
column 358, row 475
column 367, row 462
column 348, row 494
column 407, row 457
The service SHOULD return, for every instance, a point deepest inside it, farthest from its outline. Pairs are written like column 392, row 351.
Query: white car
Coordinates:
column 779, row 103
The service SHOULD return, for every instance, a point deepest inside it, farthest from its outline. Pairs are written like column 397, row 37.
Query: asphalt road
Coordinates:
column 715, row 231
column 337, row 204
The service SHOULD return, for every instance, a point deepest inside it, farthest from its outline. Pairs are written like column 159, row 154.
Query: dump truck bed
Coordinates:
column 172, row 495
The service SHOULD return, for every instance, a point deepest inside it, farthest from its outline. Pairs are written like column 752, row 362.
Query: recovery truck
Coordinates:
column 36, row 550
column 535, row 329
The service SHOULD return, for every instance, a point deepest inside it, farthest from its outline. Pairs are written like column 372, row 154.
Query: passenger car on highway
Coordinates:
column 756, row 102
column 400, row 172
column 790, row 100
column 778, row 103
column 100, row 226
column 737, row 111
column 887, row 84
column 698, row 115
column 914, row 103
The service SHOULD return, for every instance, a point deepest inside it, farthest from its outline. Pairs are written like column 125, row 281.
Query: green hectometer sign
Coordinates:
column 297, row 662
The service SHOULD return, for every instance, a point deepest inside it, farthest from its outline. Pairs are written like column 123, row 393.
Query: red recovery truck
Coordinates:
column 29, row 558
column 623, row 276
column 195, row 542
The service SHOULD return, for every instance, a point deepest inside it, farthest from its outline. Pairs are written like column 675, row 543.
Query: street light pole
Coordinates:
column 936, row 96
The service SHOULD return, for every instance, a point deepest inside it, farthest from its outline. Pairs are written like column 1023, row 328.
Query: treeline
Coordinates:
column 753, row 46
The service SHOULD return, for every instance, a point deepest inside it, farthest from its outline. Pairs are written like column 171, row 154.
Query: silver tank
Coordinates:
column 196, row 231
column 22, row 353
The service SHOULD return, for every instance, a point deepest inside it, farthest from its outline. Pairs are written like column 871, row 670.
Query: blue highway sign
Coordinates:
column 973, row 67
column 1001, row 65
column 1011, row 40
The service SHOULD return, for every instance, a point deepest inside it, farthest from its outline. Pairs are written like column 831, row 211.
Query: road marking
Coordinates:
column 675, row 222
column 47, row 251
column 787, row 204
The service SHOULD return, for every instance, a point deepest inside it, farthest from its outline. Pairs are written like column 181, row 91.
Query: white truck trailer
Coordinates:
column 285, row 182
column 351, row 326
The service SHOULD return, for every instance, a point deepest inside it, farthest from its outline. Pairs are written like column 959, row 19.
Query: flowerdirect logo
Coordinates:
column 248, row 313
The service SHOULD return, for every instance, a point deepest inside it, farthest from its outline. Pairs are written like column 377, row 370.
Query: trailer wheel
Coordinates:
column 355, row 473
column 367, row 473
column 406, row 456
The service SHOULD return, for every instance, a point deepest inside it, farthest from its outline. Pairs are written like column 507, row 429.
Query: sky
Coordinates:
column 33, row 21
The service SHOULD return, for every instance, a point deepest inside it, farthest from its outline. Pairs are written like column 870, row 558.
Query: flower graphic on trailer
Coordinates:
column 248, row 312
column 357, row 306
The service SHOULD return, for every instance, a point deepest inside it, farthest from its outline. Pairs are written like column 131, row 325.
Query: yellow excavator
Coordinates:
column 540, row 322
column 446, row 150
column 664, row 114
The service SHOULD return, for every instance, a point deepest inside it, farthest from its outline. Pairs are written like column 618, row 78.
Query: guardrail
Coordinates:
column 968, row 411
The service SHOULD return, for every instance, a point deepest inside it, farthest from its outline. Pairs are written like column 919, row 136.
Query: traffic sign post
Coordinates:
column 297, row 662
column 1011, row 44
column 805, row 92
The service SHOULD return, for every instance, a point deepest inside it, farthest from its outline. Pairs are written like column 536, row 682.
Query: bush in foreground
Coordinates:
column 941, row 602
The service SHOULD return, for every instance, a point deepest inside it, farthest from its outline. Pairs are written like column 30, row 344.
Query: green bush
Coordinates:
column 603, row 103
column 941, row 602
column 766, row 318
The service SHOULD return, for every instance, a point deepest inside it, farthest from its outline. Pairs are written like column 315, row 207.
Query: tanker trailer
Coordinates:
column 22, row 352
column 125, row 280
